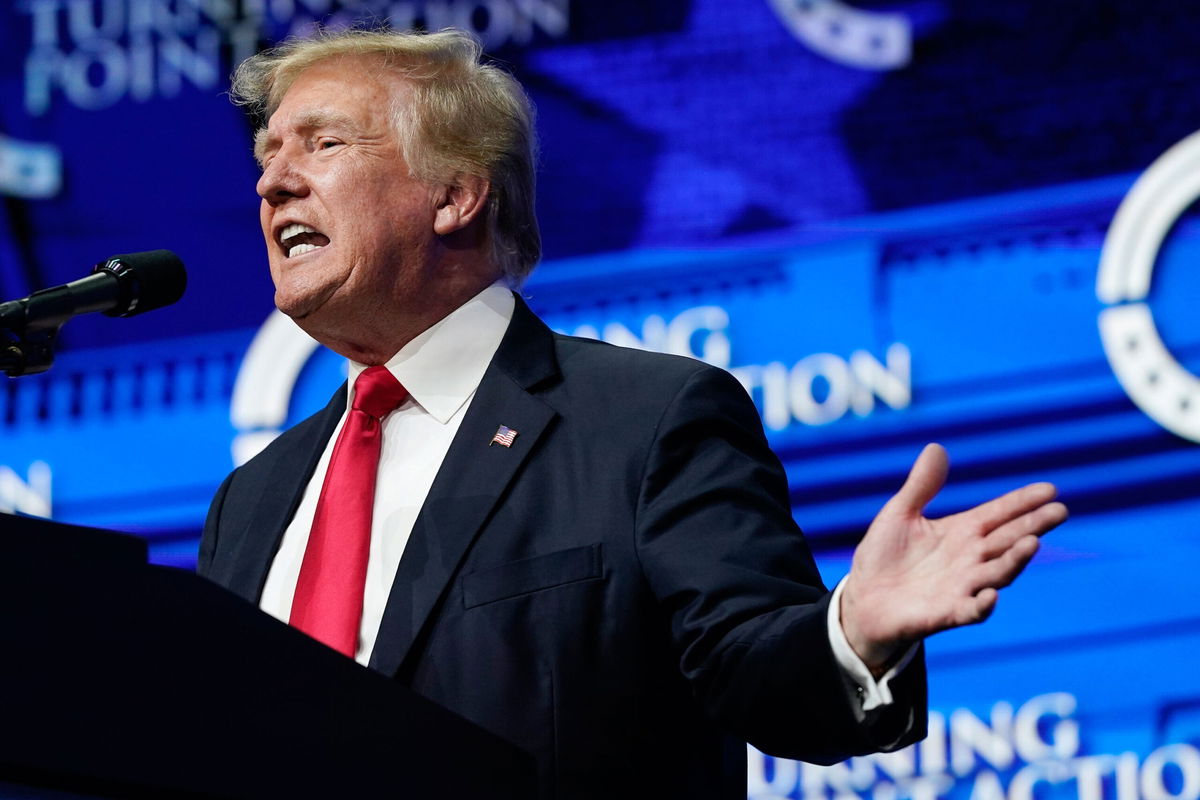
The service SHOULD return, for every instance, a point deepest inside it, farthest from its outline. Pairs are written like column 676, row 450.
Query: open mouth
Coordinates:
column 298, row 238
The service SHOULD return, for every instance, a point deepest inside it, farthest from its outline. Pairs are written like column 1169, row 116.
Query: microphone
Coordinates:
column 121, row 286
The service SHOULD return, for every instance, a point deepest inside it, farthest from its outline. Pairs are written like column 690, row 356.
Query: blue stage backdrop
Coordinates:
column 901, row 222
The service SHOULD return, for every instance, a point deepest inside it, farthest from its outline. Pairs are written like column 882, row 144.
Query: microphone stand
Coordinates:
column 29, row 354
column 122, row 286
column 27, row 346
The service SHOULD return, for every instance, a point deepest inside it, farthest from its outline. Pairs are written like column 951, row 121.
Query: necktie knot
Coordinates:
column 377, row 392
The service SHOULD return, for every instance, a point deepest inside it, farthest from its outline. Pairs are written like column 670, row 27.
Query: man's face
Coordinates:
column 349, row 232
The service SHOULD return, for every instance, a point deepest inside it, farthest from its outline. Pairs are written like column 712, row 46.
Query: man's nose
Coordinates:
column 281, row 180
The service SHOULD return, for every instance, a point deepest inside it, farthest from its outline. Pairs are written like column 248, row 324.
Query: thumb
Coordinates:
column 925, row 480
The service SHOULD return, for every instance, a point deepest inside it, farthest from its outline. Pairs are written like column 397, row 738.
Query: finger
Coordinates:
column 984, row 603
column 925, row 480
column 994, row 513
column 1034, row 523
column 1003, row 570
column 973, row 608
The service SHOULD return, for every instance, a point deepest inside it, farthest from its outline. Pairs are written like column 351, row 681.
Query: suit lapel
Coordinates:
column 472, row 479
column 280, row 496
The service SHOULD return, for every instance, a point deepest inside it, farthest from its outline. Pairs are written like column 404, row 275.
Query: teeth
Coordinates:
column 295, row 228
column 299, row 238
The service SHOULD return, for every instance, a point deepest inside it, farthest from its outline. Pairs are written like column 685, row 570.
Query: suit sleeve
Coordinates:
column 723, row 555
column 208, row 540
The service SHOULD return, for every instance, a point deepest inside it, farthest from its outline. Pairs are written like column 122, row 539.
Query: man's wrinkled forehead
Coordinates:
column 351, row 67
column 348, row 69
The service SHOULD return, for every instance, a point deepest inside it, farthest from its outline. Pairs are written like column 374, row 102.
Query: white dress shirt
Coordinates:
column 441, row 369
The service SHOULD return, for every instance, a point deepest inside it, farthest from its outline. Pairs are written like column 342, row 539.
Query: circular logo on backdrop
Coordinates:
column 1150, row 375
column 847, row 35
column 262, row 392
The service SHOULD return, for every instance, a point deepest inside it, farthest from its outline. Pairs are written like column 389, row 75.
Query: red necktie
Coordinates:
column 329, row 592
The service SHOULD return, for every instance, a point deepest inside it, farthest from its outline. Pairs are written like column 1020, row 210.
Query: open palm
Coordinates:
column 912, row 576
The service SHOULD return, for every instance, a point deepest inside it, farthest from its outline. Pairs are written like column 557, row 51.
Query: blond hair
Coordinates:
column 466, row 118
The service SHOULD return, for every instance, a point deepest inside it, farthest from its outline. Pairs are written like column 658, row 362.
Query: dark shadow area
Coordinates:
column 1009, row 96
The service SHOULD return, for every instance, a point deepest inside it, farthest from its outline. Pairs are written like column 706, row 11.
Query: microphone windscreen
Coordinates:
column 148, row 280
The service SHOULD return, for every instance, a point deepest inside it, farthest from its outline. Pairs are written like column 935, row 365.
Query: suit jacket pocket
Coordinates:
column 532, row 575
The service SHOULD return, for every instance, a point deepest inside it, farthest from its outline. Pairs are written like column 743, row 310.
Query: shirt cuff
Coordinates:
column 872, row 693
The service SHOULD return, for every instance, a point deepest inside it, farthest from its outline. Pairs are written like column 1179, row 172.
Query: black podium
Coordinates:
column 122, row 679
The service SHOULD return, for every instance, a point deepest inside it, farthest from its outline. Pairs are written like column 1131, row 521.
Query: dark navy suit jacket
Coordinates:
column 622, row 592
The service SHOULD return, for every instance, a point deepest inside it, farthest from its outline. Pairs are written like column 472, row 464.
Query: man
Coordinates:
column 585, row 549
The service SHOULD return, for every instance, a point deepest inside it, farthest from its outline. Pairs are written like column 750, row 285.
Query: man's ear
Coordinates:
column 460, row 203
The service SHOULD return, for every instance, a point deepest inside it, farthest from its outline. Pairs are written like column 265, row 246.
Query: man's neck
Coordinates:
column 377, row 334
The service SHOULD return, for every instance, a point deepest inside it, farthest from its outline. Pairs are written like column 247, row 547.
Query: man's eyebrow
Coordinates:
column 261, row 139
column 319, row 118
column 304, row 121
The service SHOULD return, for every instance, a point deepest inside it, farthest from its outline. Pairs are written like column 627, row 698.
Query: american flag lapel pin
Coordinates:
column 504, row 436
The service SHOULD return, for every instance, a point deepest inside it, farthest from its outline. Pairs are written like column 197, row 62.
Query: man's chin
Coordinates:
column 298, row 307
column 297, row 314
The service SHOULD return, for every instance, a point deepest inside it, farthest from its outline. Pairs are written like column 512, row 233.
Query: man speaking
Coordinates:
column 585, row 549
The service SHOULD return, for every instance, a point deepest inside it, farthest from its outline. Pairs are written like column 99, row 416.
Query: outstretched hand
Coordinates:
column 912, row 576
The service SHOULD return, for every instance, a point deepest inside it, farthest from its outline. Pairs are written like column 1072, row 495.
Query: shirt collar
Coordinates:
column 442, row 367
